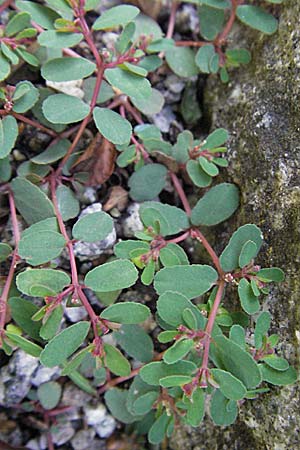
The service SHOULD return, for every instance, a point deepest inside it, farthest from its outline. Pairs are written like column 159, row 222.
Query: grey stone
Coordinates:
column 75, row 313
column 97, row 417
column 260, row 108
column 164, row 119
column 83, row 439
column 132, row 222
column 62, row 433
column 90, row 250
column 45, row 374
column 73, row 396
column 16, row 378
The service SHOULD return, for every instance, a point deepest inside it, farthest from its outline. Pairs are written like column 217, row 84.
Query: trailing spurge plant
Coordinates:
column 210, row 355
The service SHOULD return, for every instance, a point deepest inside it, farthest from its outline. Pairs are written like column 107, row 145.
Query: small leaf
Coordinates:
column 46, row 246
column 276, row 362
column 197, row 174
column 75, row 362
column 52, row 323
column 237, row 56
column 112, row 126
column 28, row 347
column 123, row 249
column 64, row 109
column 115, row 400
column 178, row 351
column 93, row 227
column 53, row 153
column 215, row 139
column 158, row 430
column 126, row 312
column 249, row 301
column 151, row 373
column 22, row 311
column 209, row 167
column 257, row 18
column 278, row 378
column 4, row 67
column 68, row 204
column 173, row 255
column 64, row 344
column 229, row 258
column 191, row 281
column 147, row 182
column 248, row 252
column 230, row 386
column 129, row 83
column 42, row 282
column 27, row 100
column 115, row 361
column 8, row 134
column 171, row 306
column 111, row 276
column 262, row 326
column 115, row 17
column 182, row 61
column 49, row 394
column 145, row 402
column 136, row 342
column 40, row 14
column 204, row 56
column 217, row 205
column 49, row 224
column 150, row 105
column 219, row 411
column 17, row 23
column 175, row 380
column 211, row 21
column 195, row 407
column 55, row 39
column 5, row 251
column 237, row 335
column 272, row 274
column 146, row 26
column 218, row 4
column 173, row 220
column 148, row 273
column 67, row 69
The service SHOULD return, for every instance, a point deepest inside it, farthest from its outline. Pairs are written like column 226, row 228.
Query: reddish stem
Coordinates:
column 172, row 19
column 180, row 238
column 4, row 5
column 181, row 193
column 31, row 122
column 191, row 43
column 222, row 37
column 215, row 259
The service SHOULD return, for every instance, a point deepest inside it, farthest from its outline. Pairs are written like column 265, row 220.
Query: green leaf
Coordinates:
column 197, row 174
column 53, row 153
column 146, row 26
column 21, row 311
column 178, row 351
column 219, row 4
column 249, row 301
column 137, row 393
column 129, row 83
column 8, row 134
column 5, row 170
column 173, row 255
column 28, row 57
column 4, row 67
column 230, row 386
column 17, row 23
column 217, row 205
column 49, row 394
column 68, row 204
column 278, row 378
column 237, row 56
column 9, row 53
column 42, row 282
column 46, row 224
column 127, row 156
column 45, row 246
column 204, row 56
column 150, row 105
column 27, row 100
column 115, row 17
column 64, row 344
column 276, row 362
column 126, row 312
column 31, row 201
column 195, row 407
column 145, row 402
column 115, row 361
column 56, row 39
column 82, row 382
column 236, row 361
column 174, row 219
column 272, row 274
column 5, row 251
column 123, row 248
column 93, row 227
column 40, row 14
column 151, row 373
column 262, row 326
column 62, row 108
column 167, row 336
column 211, row 21
column 115, row 400
column 222, row 411
column 215, row 139
column 52, row 323
column 111, row 276
column 171, row 306
column 38, row 111
column 248, row 252
column 105, row 94
column 112, row 126
column 182, row 61
column 148, row 273
column 237, row 335
column 125, row 38
column 67, row 69
column 147, row 182
column 28, row 347
column 136, row 342
column 175, row 380
column 257, row 18
column 191, row 281
column 158, row 430
column 209, row 167
column 229, row 258
column 75, row 362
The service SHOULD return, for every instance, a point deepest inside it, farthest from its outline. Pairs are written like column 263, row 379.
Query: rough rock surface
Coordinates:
column 260, row 108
